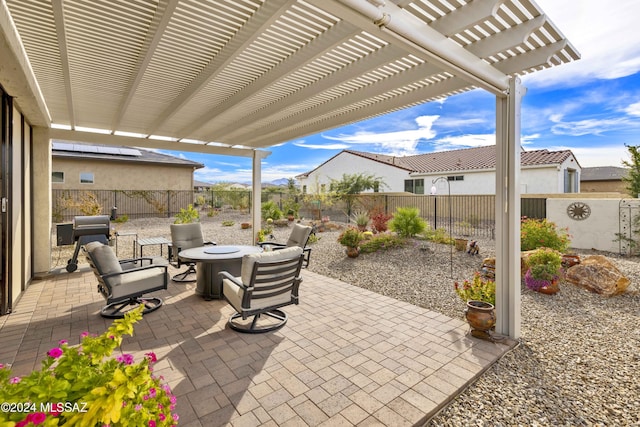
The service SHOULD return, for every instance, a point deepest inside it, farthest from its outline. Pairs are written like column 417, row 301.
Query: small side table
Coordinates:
column 150, row 241
column 127, row 233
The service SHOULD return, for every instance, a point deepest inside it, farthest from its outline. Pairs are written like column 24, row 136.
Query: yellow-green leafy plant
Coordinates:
column 351, row 237
column 537, row 233
column 84, row 385
column 187, row 216
column 477, row 289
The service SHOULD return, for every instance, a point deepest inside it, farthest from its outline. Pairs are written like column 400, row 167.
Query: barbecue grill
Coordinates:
column 88, row 229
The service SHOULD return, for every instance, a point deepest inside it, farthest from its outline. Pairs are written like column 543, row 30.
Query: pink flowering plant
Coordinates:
column 85, row 385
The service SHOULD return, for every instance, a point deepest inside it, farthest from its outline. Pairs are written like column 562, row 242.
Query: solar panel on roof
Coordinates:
column 87, row 148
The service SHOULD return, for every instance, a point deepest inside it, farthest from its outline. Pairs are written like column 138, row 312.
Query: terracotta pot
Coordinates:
column 552, row 288
column 461, row 244
column 481, row 316
column 352, row 252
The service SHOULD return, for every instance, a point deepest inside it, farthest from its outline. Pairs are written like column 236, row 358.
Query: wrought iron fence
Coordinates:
column 460, row 215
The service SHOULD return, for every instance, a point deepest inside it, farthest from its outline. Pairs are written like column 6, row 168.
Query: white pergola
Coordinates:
column 234, row 77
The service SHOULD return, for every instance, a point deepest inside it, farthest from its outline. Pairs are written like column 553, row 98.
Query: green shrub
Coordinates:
column 351, row 237
column 270, row 210
column 228, row 223
column 407, row 222
column 121, row 219
column 439, row 235
column 187, row 216
column 381, row 241
column 535, row 233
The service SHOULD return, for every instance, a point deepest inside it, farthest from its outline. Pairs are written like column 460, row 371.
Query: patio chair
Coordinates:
column 299, row 237
column 268, row 281
column 124, row 282
column 185, row 236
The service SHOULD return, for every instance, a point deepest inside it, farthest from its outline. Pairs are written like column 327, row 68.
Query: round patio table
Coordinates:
column 210, row 260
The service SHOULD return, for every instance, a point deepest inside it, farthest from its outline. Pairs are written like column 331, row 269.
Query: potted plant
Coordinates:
column 544, row 271
column 479, row 294
column 362, row 220
column 351, row 238
column 85, row 385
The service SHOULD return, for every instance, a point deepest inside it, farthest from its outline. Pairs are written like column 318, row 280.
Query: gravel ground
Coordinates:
column 578, row 360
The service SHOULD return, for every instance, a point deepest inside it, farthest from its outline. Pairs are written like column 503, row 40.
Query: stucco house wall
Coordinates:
column 597, row 231
column 534, row 179
column 348, row 163
column 122, row 175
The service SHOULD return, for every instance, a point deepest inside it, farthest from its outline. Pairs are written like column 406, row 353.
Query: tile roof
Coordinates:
column 121, row 154
column 603, row 173
column 463, row 159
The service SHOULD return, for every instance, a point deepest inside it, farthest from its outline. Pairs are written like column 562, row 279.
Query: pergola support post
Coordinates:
column 508, row 114
column 256, row 192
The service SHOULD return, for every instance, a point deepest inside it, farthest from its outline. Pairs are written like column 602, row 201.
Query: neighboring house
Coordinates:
column 603, row 179
column 201, row 186
column 468, row 171
column 105, row 167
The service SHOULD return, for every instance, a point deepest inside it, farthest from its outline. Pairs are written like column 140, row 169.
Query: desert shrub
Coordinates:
column 121, row 219
column 379, row 221
column 187, row 216
column 228, row 223
column 536, row 233
column 270, row 210
column 439, row 235
column 381, row 241
column 89, row 204
column 407, row 222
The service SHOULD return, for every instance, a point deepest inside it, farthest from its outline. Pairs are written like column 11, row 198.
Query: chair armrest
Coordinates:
column 273, row 245
column 131, row 270
column 226, row 275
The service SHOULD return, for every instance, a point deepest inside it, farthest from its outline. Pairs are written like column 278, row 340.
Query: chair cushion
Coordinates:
column 104, row 258
column 281, row 255
column 186, row 236
column 299, row 235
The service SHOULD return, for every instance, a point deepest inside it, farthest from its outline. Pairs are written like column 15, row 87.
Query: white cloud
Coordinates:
column 610, row 155
column 463, row 141
column 400, row 143
column 633, row 109
column 590, row 126
column 606, row 35
column 321, row 146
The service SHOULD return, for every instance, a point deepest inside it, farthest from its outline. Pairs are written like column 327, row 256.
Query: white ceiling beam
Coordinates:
column 319, row 46
column 58, row 17
column 407, row 77
column 466, row 16
column 533, row 59
column 119, row 140
column 399, row 25
column 17, row 75
column 371, row 62
column 164, row 12
column 506, row 39
column 310, row 127
column 254, row 27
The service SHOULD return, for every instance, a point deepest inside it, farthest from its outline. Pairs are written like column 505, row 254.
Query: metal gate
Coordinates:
column 629, row 226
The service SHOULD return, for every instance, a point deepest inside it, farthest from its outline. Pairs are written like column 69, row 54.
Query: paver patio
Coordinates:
column 347, row 356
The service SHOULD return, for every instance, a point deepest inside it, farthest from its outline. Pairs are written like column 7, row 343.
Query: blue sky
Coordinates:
column 591, row 107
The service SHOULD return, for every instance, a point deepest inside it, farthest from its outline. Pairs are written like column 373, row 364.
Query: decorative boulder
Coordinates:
column 597, row 274
column 489, row 266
